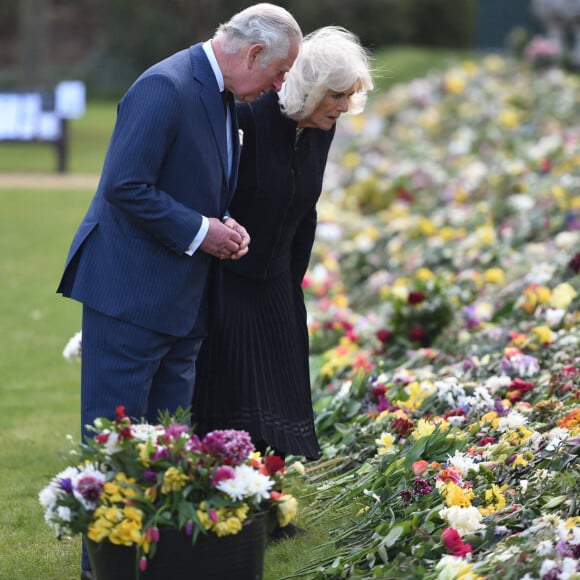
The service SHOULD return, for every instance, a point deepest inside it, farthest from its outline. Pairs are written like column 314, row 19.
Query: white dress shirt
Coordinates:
column 208, row 49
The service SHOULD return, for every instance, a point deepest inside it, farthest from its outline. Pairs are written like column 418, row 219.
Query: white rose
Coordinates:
column 464, row 519
column 449, row 567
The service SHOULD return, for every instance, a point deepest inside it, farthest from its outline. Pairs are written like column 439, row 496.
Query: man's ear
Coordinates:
column 254, row 54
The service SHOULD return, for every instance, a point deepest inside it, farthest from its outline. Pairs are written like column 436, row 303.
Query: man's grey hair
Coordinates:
column 330, row 59
column 266, row 24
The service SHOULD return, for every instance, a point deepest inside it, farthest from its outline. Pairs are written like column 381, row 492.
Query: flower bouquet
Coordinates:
column 132, row 481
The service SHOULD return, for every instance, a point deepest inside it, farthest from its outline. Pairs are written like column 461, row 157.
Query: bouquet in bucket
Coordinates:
column 132, row 480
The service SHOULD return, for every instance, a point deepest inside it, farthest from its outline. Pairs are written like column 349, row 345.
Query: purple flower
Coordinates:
column 574, row 263
column 406, row 495
column 194, row 444
column 553, row 574
column 175, row 431
column 499, row 408
column 161, row 453
column 66, row 484
column 522, row 364
column 422, row 486
column 149, row 475
column 383, row 404
column 564, row 550
column 471, row 318
column 231, row 445
column 189, row 528
column 90, row 488
column 505, row 365
column 468, row 364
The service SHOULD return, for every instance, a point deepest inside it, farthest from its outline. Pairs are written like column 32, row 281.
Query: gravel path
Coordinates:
column 48, row 181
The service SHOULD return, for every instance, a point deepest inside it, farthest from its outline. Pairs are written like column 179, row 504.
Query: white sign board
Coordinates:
column 22, row 117
column 70, row 99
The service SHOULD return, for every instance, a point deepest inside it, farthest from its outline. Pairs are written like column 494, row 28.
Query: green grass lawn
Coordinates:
column 39, row 391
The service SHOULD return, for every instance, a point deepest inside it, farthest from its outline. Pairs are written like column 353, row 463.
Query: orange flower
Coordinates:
column 361, row 362
column 571, row 420
column 519, row 339
column 447, row 475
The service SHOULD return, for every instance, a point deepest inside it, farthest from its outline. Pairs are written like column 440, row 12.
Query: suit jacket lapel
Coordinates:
column 211, row 99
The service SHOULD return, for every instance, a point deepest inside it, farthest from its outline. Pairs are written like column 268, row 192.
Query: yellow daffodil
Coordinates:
column 424, row 274
column 454, row 82
column 144, row 454
column 494, row 499
column 125, row 533
column 509, row 118
column 455, row 495
column 562, row 295
column 351, row 160
column 423, row 429
column 173, row 480
column 385, row 443
column 491, row 418
column 544, row 334
column 99, row 529
column 427, row 227
column 340, row 300
column 493, row 63
column 494, row 276
column 448, row 233
column 520, row 461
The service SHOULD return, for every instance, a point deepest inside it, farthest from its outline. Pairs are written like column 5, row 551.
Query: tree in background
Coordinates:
column 107, row 43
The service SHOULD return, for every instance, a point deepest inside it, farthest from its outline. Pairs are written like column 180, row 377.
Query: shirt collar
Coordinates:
column 219, row 77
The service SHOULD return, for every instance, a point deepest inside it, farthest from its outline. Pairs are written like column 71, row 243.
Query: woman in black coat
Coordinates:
column 253, row 373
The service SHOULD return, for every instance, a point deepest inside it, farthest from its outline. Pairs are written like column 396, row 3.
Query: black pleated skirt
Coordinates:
column 253, row 373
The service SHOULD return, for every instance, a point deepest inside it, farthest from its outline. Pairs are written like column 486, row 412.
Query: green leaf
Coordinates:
column 382, row 552
column 392, row 537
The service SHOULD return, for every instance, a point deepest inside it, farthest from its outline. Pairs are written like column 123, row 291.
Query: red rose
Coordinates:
column 402, row 426
column 454, row 543
column 417, row 334
column 384, row 335
column 378, row 390
column 415, row 297
column 487, row 440
column 274, row 463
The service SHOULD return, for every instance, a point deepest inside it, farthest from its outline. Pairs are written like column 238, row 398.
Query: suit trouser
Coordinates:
column 141, row 369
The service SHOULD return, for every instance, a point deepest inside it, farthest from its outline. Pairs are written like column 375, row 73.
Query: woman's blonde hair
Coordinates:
column 330, row 58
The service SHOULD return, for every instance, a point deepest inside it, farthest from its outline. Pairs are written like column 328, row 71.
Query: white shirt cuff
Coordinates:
column 199, row 238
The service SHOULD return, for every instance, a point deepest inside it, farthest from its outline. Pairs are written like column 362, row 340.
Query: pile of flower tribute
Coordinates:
column 443, row 310
column 132, row 481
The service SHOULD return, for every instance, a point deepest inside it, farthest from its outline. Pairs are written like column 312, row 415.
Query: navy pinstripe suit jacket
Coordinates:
column 165, row 167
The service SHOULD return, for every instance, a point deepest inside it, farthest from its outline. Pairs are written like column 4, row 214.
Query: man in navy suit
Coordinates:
column 145, row 261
